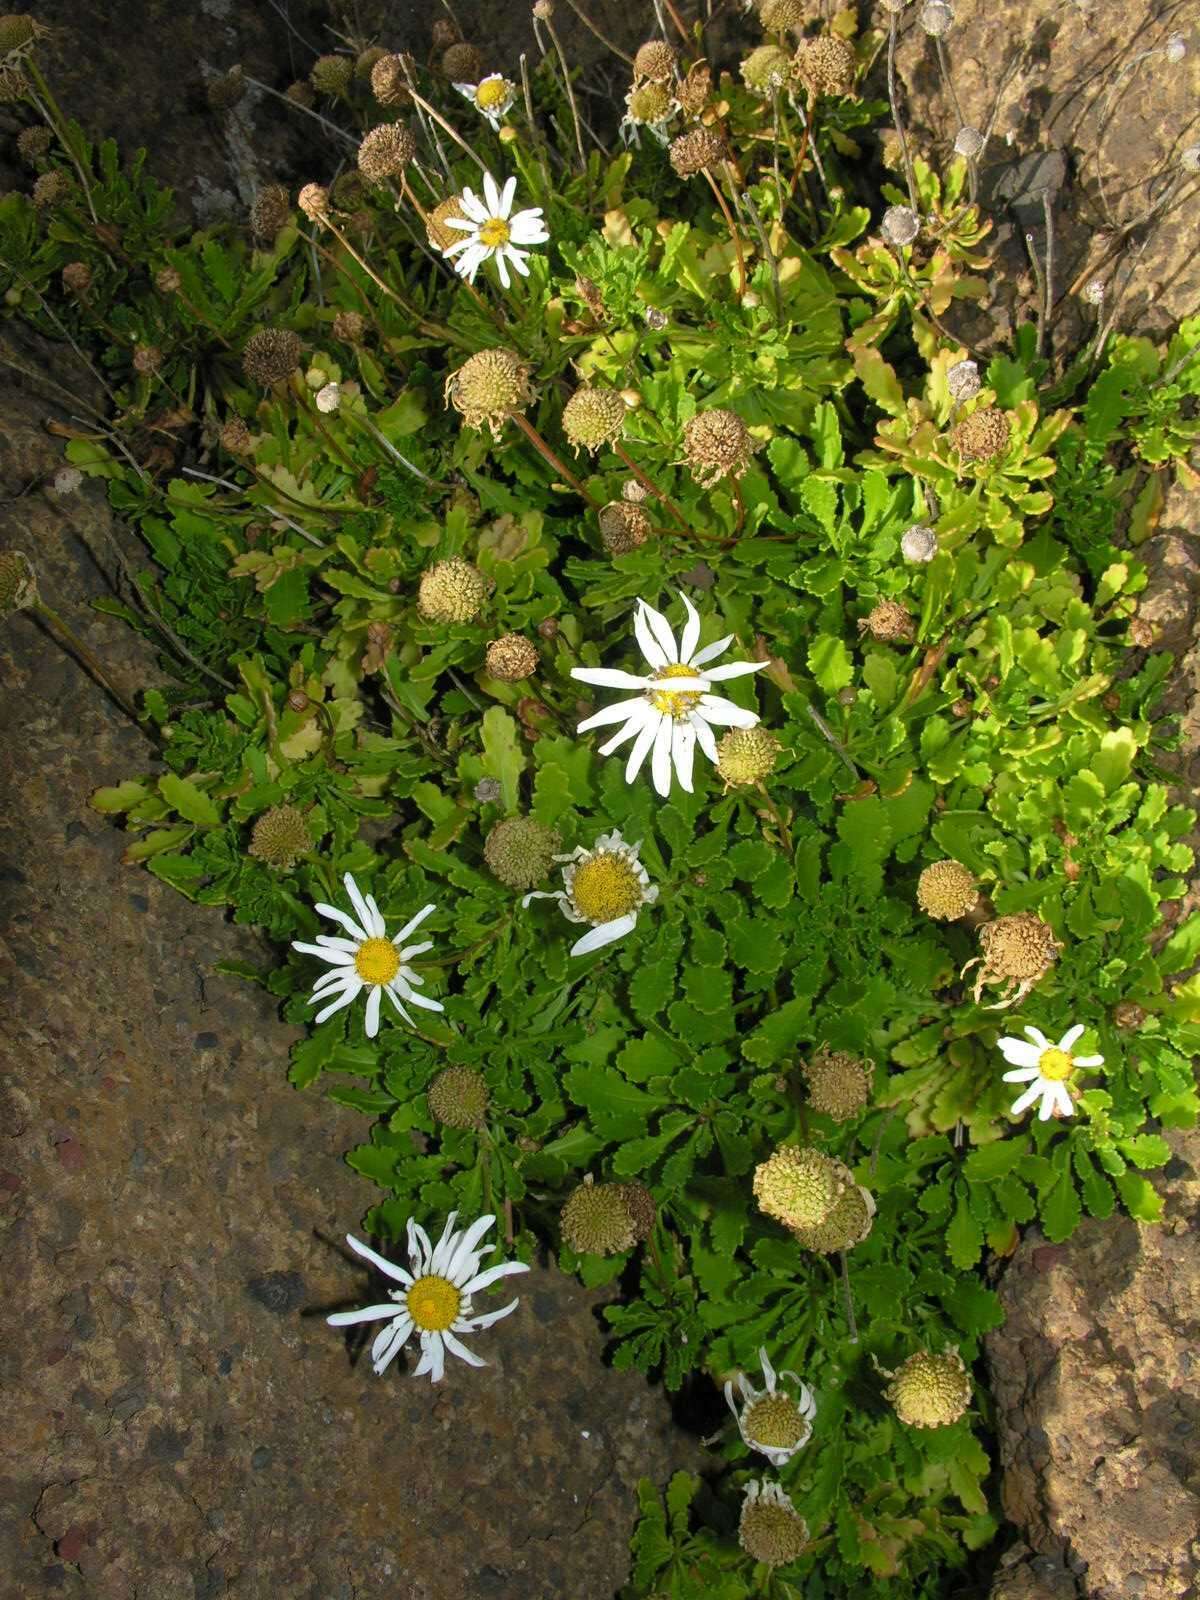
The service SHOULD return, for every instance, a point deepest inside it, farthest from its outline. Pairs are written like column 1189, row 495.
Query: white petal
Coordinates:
column 348, row 923
column 619, row 711
column 437, row 1358
column 661, row 630
column 596, row 938
column 505, row 280
column 683, row 749
column 768, row 1370
column 729, row 1400
column 712, row 651
column 336, row 958
column 735, row 669
column 472, row 206
column 1027, row 1099
column 1038, row 1037
column 457, row 1348
column 690, row 637
column 388, row 1268
column 463, row 226
column 419, row 1239
column 507, row 196
column 372, row 1021
column 609, row 678
column 724, row 713
column 344, row 1319
column 327, row 941
column 1063, row 1096
column 1022, row 1075
column 1069, row 1038
column 519, row 258
column 467, row 88
column 416, row 950
column 444, row 1248
column 473, row 1324
column 361, row 909
column 414, row 922
column 641, row 745
column 1048, row 1098
column 484, row 1280
column 527, row 228
column 636, row 722
column 491, row 195
column 387, row 1345
column 647, row 643
column 378, row 925
column 704, row 737
column 344, row 999
column 660, row 761
column 1089, row 1061
column 467, row 1246
column 1019, row 1053
column 470, row 261
column 399, row 1004
column 423, row 1001
column 338, row 978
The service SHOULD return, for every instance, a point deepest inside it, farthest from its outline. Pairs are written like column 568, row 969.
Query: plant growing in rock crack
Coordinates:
column 437, row 454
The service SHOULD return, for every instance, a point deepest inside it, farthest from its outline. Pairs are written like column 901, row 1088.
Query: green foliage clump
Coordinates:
column 356, row 473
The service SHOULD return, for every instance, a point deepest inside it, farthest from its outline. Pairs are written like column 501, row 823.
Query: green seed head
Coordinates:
column 458, row 1098
column 520, row 851
column 930, row 1391
column 596, row 1220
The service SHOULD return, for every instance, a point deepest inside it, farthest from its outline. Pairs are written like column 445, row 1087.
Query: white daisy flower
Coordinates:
column 492, row 96
column 606, row 886
column 492, row 230
column 1045, row 1067
column 770, row 1421
column 673, row 710
column 434, row 1299
column 368, row 959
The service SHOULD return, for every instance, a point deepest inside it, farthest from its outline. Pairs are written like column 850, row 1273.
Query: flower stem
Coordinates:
column 648, row 483
column 544, row 449
column 70, row 640
column 896, row 122
column 566, row 72
column 733, row 233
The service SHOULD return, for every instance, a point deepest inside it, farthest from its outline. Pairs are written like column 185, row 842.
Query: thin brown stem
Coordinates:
column 566, row 73
column 895, row 105
column 445, row 126
column 733, row 232
column 70, row 640
column 595, row 31
column 544, row 450
column 649, row 483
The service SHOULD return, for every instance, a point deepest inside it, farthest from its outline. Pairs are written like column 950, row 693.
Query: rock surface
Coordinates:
column 180, row 1423
column 1095, row 1381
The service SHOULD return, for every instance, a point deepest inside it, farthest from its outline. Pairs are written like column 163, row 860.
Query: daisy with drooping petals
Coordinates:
column 673, row 711
column 434, row 1299
column 368, row 959
column 769, row 1420
column 606, row 886
column 1045, row 1067
column 492, row 96
column 490, row 229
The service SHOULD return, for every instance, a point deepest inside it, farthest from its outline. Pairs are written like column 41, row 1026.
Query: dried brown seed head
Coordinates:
column 511, row 658
column 827, row 66
column 983, row 435
column 386, row 151
column 271, row 356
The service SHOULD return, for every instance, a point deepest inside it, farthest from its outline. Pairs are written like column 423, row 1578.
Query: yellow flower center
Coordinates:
column 775, row 1422
column 491, row 94
column 678, row 703
column 495, row 232
column 1056, row 1064
column 376, row 961
column 433, row 1304
column 606, row 887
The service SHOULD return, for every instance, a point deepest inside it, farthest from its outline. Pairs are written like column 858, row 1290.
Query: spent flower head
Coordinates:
column 900, row 226
column 930, row 1390
column 489, row 387
column 770, row 1528
column 770, row 1420
column 919, row 543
